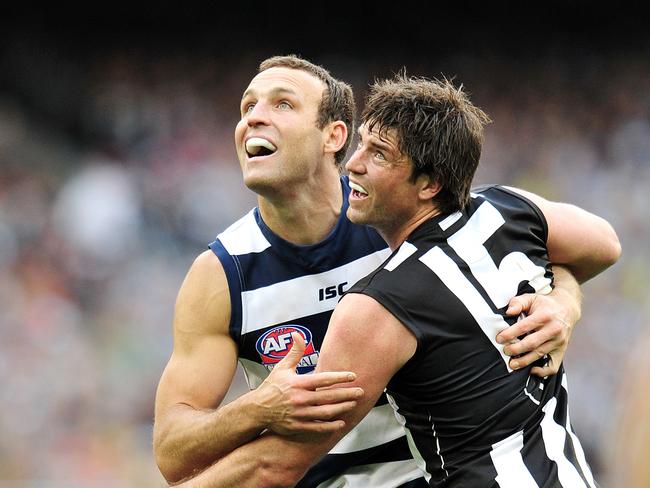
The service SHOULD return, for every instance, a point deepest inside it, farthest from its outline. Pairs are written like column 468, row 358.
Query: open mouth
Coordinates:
column 258, row 147
column 357, row 190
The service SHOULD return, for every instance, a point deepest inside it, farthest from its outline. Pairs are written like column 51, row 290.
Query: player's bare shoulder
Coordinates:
column 203, row 302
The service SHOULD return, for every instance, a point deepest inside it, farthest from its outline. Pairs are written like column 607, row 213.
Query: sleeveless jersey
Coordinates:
column 472, row 421
column 277, row 288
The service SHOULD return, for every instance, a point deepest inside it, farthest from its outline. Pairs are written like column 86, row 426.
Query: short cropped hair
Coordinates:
column 337, row 102
column 437, row 127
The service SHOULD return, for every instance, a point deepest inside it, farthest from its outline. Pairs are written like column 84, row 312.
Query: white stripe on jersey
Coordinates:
column 287, row 300
column 384, row 475
column 376, row 428
column 419, row 460
column 554, row 436
column 454, row 279
column 244, row 236
column 510, row 467
column 404, row 251
column 580, row 454
column 450, row 220
column 501, row 282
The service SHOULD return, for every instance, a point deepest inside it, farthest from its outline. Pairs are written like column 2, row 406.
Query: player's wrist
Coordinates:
column 262, row 409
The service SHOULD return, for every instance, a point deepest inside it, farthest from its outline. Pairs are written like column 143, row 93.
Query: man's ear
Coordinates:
column 427, row 187
column 335, row 134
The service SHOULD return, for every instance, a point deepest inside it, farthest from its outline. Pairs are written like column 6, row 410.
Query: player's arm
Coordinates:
column 191, row 431
column 360, row 332
column 583, row 242
column 581, row 245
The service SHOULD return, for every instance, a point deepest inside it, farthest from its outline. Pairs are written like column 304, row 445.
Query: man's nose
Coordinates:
column 258, row 115
column 355, row 163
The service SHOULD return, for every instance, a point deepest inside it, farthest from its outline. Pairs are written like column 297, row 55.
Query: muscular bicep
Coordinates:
column 204, row 356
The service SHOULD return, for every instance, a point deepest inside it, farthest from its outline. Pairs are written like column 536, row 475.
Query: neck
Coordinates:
column 305, row 214
column 395, row 237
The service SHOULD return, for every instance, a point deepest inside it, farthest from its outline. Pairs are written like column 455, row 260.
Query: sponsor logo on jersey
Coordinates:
column 331, row 291
column 275, row 343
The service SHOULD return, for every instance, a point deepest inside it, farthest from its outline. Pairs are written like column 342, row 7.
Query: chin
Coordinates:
column 356, row 217
column 262, row 184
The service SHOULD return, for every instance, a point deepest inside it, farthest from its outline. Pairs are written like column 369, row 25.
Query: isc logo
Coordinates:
column 274, row 345
column 331, row 291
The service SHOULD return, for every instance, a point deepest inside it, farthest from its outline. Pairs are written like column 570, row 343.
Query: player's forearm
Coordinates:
column 186, row 440
column 270, row 461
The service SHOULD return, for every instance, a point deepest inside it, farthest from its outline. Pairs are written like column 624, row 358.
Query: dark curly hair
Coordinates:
column 437, row 127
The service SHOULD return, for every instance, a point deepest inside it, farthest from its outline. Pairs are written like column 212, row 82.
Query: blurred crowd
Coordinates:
column 114, row 175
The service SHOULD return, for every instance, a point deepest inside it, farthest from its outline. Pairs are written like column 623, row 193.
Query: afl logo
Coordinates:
column 274, row 345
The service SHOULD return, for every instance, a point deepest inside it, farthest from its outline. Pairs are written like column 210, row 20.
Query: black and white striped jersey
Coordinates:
column 277, row 288
column 472, row 421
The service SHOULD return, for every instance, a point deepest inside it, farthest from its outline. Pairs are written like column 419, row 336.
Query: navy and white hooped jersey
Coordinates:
column 277, row 288
column 473, row 421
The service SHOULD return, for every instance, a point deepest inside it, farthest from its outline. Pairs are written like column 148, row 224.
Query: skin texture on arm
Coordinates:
column 190, row 430
column 273, row 461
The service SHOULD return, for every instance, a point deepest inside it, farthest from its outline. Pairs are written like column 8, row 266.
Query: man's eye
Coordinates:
column 248, row 108
column 284, row 105
column 380, row 155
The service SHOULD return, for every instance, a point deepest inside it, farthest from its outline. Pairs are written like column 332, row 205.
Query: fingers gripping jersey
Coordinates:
column 277, row 288
column 475, row 422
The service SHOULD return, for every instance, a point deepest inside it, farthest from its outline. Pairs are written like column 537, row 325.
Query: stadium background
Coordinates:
column 117, row 167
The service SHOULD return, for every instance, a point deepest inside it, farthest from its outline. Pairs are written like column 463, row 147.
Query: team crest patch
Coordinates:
column 274, row 345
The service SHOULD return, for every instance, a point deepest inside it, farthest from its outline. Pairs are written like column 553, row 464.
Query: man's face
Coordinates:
column 382, row 194
column 277, row 140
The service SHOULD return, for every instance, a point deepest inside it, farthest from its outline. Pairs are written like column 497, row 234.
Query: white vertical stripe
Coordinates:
column 554, row 436
column 419, row 460
column 509, row 465
column 580, row 454
column 449, row 273
column 404, row 251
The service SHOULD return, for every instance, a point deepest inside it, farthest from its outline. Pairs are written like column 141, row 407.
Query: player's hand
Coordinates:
column 548, row 324
column 310, row 403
